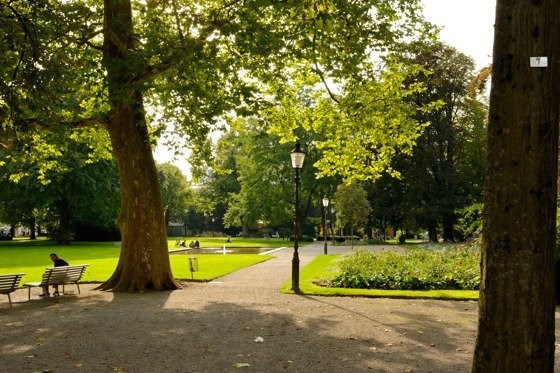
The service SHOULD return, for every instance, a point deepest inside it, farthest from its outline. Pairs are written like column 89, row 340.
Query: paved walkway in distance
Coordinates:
column 211, row 327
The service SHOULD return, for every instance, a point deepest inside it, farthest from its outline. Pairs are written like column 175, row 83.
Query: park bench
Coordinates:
column 59, row 276
column 9, row 283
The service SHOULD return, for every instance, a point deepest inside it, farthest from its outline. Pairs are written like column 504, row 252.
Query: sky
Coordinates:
column 467, row 25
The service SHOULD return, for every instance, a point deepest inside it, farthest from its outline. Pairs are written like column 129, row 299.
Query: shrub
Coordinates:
column 427, row 268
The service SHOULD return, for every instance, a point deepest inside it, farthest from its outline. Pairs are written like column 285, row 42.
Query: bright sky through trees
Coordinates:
column 468, row 25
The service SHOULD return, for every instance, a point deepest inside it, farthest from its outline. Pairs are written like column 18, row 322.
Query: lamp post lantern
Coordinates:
column 325, row 208
column 298, row 156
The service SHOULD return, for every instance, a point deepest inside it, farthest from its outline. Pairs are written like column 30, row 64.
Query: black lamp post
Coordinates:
column 297, row 156
column 325, row 208
column 332, row 224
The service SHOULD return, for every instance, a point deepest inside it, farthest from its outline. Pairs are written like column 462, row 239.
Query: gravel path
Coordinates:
column 211, row 327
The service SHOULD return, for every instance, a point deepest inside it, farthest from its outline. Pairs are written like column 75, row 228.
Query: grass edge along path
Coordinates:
column 321, row 268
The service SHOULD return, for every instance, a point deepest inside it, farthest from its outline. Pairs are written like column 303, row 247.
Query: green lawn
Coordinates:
column 235, row 242
column 32, row 258
column 323, row 268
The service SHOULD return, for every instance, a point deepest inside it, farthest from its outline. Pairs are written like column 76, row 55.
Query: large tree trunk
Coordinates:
column 516, row 316
column 144, row 259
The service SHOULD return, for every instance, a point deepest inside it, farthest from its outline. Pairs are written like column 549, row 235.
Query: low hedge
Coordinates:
column 428, row 268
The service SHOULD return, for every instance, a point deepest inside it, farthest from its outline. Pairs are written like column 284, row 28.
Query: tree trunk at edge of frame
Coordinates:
column 516, row 306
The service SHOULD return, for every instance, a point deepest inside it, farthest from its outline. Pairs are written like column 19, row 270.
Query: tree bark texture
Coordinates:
column 144, row 260
column 516, row 306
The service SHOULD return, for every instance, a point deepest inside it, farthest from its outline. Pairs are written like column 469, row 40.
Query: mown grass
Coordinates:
column 323, row 268
column 32, row 257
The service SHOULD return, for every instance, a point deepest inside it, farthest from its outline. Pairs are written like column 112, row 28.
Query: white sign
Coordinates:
column 539, row 61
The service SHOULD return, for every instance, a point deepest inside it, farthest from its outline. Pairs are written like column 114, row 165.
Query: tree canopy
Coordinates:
column 132, row 68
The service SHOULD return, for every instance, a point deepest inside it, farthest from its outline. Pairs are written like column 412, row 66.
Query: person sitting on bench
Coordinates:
column 58, row 262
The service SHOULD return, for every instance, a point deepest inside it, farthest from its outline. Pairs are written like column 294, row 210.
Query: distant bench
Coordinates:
column 59, row 276
column 9, row 283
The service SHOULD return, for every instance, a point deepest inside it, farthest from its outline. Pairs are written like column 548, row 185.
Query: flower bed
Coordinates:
column 426, row 268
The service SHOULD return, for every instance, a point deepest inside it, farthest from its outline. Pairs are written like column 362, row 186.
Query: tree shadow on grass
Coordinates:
column 176, row 332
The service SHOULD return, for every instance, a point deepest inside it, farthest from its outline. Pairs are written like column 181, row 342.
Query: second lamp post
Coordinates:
column 325, row 208
column 297, row 156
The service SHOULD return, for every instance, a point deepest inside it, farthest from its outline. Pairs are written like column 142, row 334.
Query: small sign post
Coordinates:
column 193, row 265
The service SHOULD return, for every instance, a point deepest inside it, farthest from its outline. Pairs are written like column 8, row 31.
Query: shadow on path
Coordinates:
column 165, row 332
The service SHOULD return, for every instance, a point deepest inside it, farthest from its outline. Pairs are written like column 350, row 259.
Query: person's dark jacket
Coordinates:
column 60, row 262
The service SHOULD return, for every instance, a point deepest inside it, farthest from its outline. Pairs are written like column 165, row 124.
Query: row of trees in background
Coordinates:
column 77, row 199
column 437, row 187
column 248, row 184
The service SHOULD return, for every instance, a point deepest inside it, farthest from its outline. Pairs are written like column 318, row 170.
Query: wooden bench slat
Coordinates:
column 8, row 280
column 7, row 287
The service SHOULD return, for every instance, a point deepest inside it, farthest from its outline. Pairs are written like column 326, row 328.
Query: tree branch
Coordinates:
column 23, row 23
column 81, row 123
column 86, row 40
column 156, row 70
column 176, row 15
column 320, row 73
